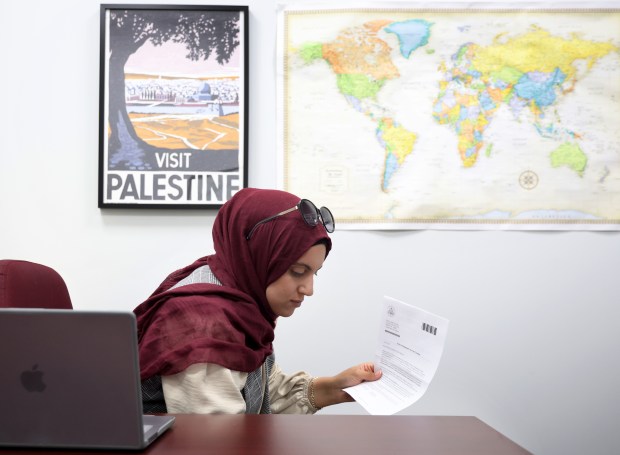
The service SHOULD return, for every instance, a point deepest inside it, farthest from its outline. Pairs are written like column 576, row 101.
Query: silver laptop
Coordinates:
column 70, row 379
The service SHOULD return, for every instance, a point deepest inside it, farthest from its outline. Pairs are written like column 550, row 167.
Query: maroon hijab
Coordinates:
column 230, row 325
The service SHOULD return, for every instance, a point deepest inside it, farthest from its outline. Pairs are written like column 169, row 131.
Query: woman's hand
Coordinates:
column 328, row 390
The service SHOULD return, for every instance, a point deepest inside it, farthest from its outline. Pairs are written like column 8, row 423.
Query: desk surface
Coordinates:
column 326, row 434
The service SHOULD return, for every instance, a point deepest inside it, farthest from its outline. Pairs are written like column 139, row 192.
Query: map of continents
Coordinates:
column 431, row 88
column 530, row 72
column 362, row 65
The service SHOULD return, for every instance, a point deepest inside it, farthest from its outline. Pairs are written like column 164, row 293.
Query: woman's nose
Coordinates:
column 307, row 287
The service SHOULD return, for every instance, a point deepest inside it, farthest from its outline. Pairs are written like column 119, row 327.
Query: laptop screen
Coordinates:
column 70, row 378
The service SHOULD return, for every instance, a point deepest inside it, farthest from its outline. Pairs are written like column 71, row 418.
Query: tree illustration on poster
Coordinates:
column 169, row 138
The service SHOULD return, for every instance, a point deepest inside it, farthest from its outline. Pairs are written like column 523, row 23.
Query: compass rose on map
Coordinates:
column 528, row 180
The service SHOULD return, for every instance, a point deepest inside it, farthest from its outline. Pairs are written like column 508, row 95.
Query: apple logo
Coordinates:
column 32, row 380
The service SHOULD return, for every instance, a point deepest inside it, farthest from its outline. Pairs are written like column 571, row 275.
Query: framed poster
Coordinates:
column 173, row 105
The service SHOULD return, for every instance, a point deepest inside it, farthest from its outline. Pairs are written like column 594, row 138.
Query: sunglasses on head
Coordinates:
column 310, row 214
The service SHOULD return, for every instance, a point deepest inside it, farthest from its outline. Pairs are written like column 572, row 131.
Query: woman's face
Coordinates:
column 287, row 293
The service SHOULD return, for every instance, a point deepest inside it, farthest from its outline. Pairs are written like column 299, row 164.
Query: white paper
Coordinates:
column 411, row 342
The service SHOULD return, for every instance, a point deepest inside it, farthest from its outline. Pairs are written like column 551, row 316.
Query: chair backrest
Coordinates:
column 25, row 284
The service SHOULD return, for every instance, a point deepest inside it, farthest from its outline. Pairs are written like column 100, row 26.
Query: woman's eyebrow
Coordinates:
column 306, row 266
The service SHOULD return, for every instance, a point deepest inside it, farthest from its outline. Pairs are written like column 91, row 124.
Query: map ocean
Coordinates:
column 400, row 118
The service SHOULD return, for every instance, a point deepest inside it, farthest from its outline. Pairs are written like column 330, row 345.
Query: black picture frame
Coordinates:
column 173, row 105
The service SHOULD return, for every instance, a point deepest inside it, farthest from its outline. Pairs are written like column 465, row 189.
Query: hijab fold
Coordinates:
column 231, row 325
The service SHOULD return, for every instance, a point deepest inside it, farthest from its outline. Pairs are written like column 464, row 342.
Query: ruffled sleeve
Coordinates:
column 289, row 393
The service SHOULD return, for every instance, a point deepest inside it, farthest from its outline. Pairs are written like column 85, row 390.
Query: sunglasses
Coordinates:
column 309, row 213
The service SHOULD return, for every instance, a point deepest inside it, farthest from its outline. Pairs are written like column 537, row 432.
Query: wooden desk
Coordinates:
column 326, row 435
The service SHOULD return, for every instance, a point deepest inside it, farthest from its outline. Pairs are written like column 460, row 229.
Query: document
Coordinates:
column 410, row 345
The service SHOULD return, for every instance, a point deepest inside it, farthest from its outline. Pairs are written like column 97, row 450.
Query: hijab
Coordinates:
column 231, row 325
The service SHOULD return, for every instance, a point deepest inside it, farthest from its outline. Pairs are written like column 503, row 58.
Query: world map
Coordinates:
column 398, row 118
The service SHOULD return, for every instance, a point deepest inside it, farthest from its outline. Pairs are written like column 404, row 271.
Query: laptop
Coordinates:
column 71, row 379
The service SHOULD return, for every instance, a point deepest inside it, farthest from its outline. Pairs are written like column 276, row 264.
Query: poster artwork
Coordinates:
column 173, row 105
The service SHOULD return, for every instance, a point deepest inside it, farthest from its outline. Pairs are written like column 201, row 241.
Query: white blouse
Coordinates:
column 207, row 388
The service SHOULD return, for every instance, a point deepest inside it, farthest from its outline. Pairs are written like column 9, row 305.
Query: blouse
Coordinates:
column 207, row 388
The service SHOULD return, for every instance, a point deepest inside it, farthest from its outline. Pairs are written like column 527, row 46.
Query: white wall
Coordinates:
column 534, row 338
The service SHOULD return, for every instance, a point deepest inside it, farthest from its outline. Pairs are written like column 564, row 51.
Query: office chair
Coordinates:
column 25, row 284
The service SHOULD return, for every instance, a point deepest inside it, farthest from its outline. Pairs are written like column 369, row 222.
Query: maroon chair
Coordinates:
column 26, row 284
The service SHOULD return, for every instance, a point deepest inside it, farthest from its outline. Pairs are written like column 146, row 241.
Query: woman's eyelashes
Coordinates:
column 300, row 271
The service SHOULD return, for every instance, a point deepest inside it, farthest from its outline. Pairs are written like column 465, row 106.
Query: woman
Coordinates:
column 205, row 335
